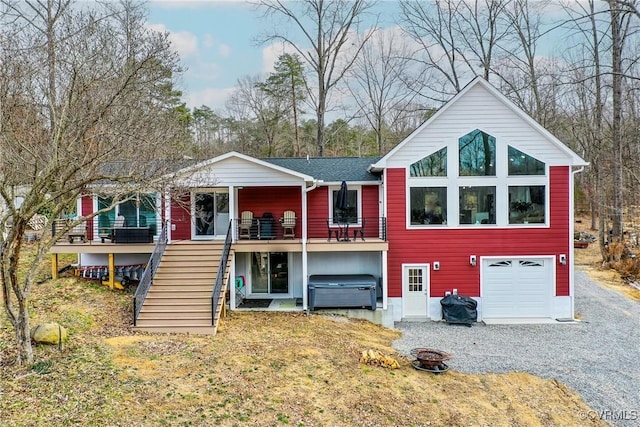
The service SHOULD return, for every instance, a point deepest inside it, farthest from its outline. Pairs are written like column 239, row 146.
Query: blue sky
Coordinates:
column 216, row 41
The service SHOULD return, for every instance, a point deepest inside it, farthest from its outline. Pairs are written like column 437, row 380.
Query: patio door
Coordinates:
column 270, row 273
column 415, row 291
column 211, row 214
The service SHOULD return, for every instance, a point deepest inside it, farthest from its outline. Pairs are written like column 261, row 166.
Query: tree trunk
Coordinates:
column 294, row 105
column 23, row 336
column 616, row 59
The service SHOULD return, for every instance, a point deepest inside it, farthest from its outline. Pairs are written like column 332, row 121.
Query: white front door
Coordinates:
column 415, row 291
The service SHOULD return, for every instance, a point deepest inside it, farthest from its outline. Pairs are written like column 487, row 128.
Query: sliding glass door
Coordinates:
column 270, row 273
column 211, row 214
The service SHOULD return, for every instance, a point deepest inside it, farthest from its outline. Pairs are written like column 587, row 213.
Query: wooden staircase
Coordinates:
column 180, row 298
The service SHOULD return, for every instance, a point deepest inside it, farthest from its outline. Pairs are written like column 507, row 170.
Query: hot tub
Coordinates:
column 342, row 291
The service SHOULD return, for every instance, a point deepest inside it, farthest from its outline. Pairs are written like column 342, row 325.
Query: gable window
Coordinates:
column 477, row 205
column 351, row 213
column 428, row 205
column 526, row 204
column 477, row 154
column 433, row 165
column 523, row 164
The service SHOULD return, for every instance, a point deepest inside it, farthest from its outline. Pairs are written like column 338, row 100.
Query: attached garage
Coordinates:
column 517, row 287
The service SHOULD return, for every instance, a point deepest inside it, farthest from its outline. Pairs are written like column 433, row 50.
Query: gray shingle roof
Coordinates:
column 331, row 169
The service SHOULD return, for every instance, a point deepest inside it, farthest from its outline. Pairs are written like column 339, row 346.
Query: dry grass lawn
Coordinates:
column 262, row 369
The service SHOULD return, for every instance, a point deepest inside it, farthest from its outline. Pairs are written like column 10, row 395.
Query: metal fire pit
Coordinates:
column 430, row 360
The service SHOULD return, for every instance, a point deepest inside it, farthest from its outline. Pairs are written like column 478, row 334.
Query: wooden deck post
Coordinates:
column 54, row 266
column 112, row 270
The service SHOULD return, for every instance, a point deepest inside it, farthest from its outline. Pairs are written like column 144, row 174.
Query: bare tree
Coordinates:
column 327, row 26
column 74, row 99
column 456, row 39
column 381, row 84
column 267, row 110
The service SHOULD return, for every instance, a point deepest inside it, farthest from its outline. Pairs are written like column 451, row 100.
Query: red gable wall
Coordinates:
column 452, row 247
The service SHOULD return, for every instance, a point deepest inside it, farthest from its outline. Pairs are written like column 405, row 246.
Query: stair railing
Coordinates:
column 149, row 273
column 222, row 271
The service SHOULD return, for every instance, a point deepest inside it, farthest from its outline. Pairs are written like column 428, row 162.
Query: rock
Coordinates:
column 49, row 333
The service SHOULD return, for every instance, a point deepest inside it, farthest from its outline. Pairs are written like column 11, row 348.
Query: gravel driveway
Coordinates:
column 598, row 357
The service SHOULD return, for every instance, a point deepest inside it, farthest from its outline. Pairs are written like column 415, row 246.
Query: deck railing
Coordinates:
column 149, row 272
column 361, row 228
column 222, row 271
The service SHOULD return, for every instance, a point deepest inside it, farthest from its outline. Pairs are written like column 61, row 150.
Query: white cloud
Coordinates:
column 271, row 53
column 224, row 50
column 208, row 41
column 184, row 42
column 214, row 98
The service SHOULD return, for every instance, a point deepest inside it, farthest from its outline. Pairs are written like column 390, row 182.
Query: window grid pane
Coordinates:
column 415, row 280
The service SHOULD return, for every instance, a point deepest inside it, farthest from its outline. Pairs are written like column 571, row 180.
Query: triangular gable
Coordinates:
column 573, row 158
column 198, row 168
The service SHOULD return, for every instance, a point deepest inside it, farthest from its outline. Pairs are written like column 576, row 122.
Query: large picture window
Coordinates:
column 477, row 154
column 477, row 205
column 138, row 212
column 526, row 204
column 428, row 205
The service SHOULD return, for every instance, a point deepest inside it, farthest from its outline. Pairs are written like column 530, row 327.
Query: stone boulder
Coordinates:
column 49, row 333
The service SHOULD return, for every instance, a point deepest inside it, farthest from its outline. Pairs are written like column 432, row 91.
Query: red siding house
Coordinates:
column 477, row 201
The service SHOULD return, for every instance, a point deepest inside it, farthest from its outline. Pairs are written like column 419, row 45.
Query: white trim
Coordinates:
column 574, row 159
column 207, row 190
column 553, row 263
column 198, row 166
column 426, row 267
column 358, row 189
column 305, row 262
column 501, row 181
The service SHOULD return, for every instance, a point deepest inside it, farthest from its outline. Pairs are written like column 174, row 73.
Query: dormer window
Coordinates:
column 477, row 154
column 433, row 165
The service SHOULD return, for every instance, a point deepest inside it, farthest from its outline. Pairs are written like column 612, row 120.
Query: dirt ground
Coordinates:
column 262, row 369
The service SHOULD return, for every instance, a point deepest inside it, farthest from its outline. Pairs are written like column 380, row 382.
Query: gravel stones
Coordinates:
column 598, row 357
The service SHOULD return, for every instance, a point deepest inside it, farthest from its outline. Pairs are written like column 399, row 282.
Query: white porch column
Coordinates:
column 305, row 282
column 167, row 213
column 233, row 209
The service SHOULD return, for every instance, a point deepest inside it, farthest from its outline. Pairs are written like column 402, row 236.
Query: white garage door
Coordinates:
column 517, row 288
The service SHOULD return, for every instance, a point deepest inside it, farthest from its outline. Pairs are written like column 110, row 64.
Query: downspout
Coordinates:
column 573, row 251
column 305, row 282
